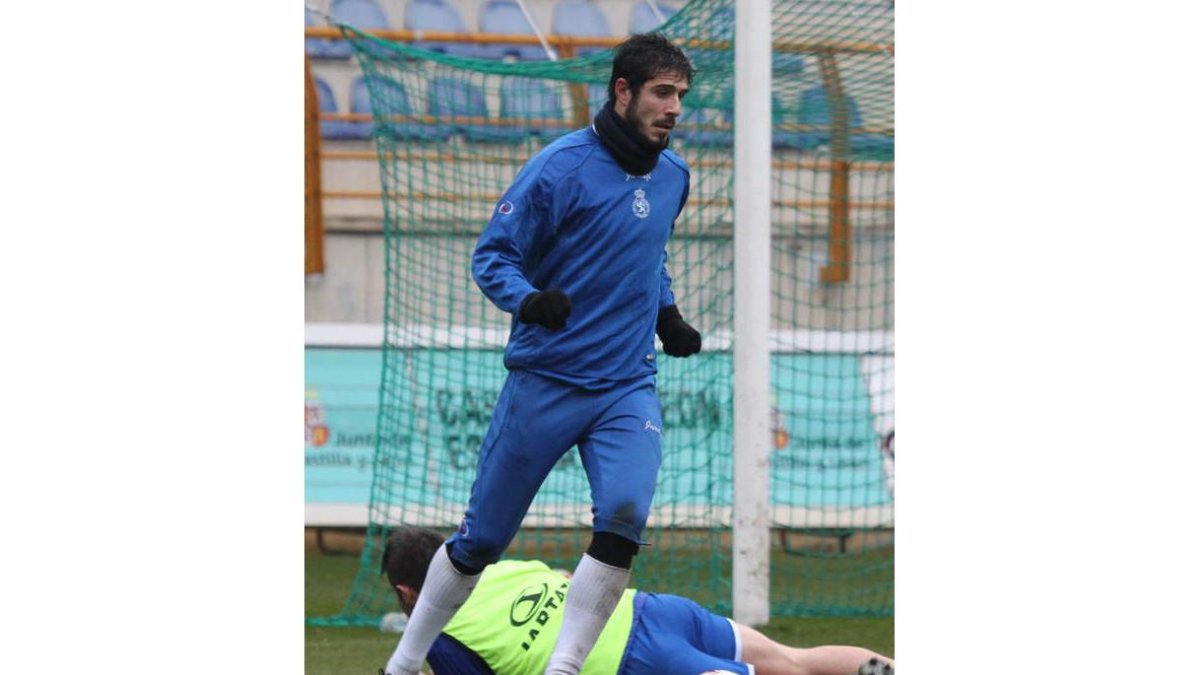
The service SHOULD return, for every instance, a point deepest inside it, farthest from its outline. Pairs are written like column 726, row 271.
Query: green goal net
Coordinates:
column 451, row 134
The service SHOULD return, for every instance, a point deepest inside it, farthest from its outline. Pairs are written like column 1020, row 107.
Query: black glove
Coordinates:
column 678, row 338
column 547, row 308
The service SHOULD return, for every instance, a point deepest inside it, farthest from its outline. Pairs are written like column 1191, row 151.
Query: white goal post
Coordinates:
column 752, row 314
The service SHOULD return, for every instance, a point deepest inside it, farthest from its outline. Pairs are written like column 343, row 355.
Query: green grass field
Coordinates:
column 359, row 651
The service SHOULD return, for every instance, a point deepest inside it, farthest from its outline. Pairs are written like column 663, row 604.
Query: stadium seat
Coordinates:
column 642, row 18
column 505, row 16
column 437, row 15
column 692, row 130
column 785, row 114
column 326, row 103
column 361, row 14
column 393, row 100
column 697, row 126
column 360, row 102
column 789, row 63
column 873, row 146
column 322, row 48
column 580, row 18
column 814, row 111
column 811, row 110
column 452, row 97
column 529, row 99
column 720, row 28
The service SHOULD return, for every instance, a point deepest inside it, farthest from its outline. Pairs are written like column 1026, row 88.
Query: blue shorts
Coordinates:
column 675, row 636
column 536, row 421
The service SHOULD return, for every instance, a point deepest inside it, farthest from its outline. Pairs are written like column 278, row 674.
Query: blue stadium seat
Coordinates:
column 790, row 63
column 393, row 100
column 360, row 102
column 720, row 27
column 814, row 111
column 326, row 103
column 691, row 127
column 580, row 18
column 811, row 110
column 873, row 146
column 782, row 113
column 642, row 18
column 361, row 14
column 505, row 16
column 322, row 48
column 437, row 15
column 533, row 100
column 452, row 97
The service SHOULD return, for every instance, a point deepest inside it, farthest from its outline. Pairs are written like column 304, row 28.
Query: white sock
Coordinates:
column 595, row 590
column 444, row 591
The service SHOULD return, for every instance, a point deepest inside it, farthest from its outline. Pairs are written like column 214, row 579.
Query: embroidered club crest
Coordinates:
column 641, row 207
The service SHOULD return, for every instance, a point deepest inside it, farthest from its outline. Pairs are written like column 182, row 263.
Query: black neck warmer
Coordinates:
column 637, row 155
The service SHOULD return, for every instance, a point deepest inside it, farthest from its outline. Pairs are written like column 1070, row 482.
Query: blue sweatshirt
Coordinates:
column 574, row 220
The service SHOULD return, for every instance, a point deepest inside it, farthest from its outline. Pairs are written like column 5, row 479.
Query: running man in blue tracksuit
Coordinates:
column 576, row 251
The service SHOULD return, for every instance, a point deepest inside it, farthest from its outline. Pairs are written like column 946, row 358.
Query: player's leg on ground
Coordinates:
column 522, row 445
column 675, row 656
column 674, row 636
column 621, row 455
column 772, row 658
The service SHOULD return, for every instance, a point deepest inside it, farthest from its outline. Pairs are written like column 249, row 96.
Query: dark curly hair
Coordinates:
column 644, row 56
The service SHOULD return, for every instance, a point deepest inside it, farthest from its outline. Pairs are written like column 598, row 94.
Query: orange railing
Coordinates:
column 570, row 42
column 314, row 225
